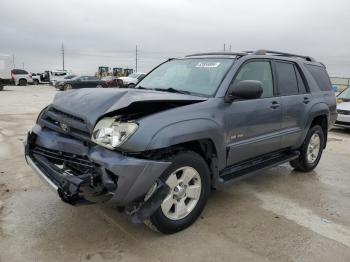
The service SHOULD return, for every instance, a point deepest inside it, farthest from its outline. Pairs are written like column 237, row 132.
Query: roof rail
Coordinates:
column 220, row 53
column 266, row 52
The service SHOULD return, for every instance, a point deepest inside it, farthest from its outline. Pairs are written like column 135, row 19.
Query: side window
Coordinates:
column 286, row 79
column 260, row 71
column 301, row 84
column 321, row 77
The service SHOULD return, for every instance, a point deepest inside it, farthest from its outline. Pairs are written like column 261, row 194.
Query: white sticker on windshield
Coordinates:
column 208, row 64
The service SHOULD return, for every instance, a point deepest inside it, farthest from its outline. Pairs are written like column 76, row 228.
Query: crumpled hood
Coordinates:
column 91, row 104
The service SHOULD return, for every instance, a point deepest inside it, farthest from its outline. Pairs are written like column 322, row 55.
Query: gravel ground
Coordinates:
column 279, row 215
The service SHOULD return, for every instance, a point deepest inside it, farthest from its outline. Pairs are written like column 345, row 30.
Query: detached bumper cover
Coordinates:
column 105, row 174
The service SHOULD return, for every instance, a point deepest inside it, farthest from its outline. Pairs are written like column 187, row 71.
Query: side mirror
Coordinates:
column 246, row 89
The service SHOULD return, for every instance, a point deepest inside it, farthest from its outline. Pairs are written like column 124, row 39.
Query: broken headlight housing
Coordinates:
column 111, row 133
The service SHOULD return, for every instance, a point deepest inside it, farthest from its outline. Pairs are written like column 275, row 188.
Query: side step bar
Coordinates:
column 240, row 171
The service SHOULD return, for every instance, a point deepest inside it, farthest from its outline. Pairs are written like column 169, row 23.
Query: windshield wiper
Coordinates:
column 173, row 90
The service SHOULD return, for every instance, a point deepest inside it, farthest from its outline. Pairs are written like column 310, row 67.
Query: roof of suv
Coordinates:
column 257, row 52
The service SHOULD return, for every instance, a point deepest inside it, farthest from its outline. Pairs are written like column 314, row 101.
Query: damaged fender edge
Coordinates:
column 151, row 204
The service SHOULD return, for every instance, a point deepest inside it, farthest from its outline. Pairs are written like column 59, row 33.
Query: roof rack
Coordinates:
column 266, row 52
column 257, row 52
column 220, row 53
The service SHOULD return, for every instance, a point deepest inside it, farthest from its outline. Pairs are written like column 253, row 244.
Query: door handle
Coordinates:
column 275, row 105
column 306, row 100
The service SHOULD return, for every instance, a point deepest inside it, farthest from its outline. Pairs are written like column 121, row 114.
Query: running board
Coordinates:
column 246, row 169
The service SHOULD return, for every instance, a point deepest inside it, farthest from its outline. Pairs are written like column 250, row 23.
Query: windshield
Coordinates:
column 133, row 75
column 192, row 75
column 345, row 95
column 70, row 77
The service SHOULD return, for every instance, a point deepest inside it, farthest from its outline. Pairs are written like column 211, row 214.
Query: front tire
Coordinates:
column 310, row 151
column 189, row 180
column 67, row 87
column 36, row 82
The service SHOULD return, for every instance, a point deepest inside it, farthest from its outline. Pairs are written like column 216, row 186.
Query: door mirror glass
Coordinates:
column 246, row 89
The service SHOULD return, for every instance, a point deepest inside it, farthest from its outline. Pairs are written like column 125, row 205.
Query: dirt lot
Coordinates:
column 280, row 215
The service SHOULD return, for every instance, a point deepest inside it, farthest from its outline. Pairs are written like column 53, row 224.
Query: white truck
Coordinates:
column 5, row 70
column 50, row 77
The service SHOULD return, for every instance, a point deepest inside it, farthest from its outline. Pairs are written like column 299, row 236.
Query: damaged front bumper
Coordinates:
column 84, row 173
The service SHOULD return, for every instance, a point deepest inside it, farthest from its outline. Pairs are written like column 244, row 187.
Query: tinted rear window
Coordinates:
column 286, row 79
column 321, row 77
column 19, row 72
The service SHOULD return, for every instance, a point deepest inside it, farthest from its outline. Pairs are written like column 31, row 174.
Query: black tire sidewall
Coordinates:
column 22, row 82
column 303, row 157
column 195, row 161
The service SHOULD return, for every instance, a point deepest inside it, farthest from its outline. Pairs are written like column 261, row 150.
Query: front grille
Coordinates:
column 54, row 119
column 343, row 112
column 80, row 164
column 58, row 112
column 342, row 123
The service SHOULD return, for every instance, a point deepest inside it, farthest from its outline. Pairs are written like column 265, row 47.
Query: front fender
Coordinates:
column 191, row 130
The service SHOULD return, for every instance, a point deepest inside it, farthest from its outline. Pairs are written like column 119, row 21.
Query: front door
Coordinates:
column 253, row 125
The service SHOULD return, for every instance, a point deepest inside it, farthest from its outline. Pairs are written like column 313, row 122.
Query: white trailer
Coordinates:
column 5, row 70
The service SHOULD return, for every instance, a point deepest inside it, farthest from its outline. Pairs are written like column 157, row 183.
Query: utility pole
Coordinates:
column 62, row 50
column 230, row 47
column 136, row 58
column 224, row 47
column 13, row 61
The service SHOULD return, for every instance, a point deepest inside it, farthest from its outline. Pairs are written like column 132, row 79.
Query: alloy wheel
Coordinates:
column 185, row 190
column 313, row 148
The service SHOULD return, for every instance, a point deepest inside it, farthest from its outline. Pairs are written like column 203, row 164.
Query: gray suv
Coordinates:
column 192, row 124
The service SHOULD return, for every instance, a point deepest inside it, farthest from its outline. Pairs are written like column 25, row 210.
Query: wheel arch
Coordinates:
column 203, row 136
column 322, row 121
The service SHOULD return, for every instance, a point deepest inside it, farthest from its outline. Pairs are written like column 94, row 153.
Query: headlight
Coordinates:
column 110, row 133
column 41, row 114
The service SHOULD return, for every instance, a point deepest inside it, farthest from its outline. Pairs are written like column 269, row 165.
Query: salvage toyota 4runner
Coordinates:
column 192, row 124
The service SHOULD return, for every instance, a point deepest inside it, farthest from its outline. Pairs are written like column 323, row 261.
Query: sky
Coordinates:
column 106, row 32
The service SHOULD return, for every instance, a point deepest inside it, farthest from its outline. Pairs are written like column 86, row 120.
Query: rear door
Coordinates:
column 253, row 125
column 83, row 82
column 295, row 100
column 92, row 81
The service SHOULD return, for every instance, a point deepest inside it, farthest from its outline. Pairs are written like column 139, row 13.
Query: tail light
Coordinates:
column 30, row 75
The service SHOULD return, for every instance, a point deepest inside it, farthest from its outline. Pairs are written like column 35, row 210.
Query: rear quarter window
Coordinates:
column 321, row 77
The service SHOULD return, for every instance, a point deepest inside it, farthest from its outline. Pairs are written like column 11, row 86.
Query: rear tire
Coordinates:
column 310, row 151
column 22, row 82
column 189, row 180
